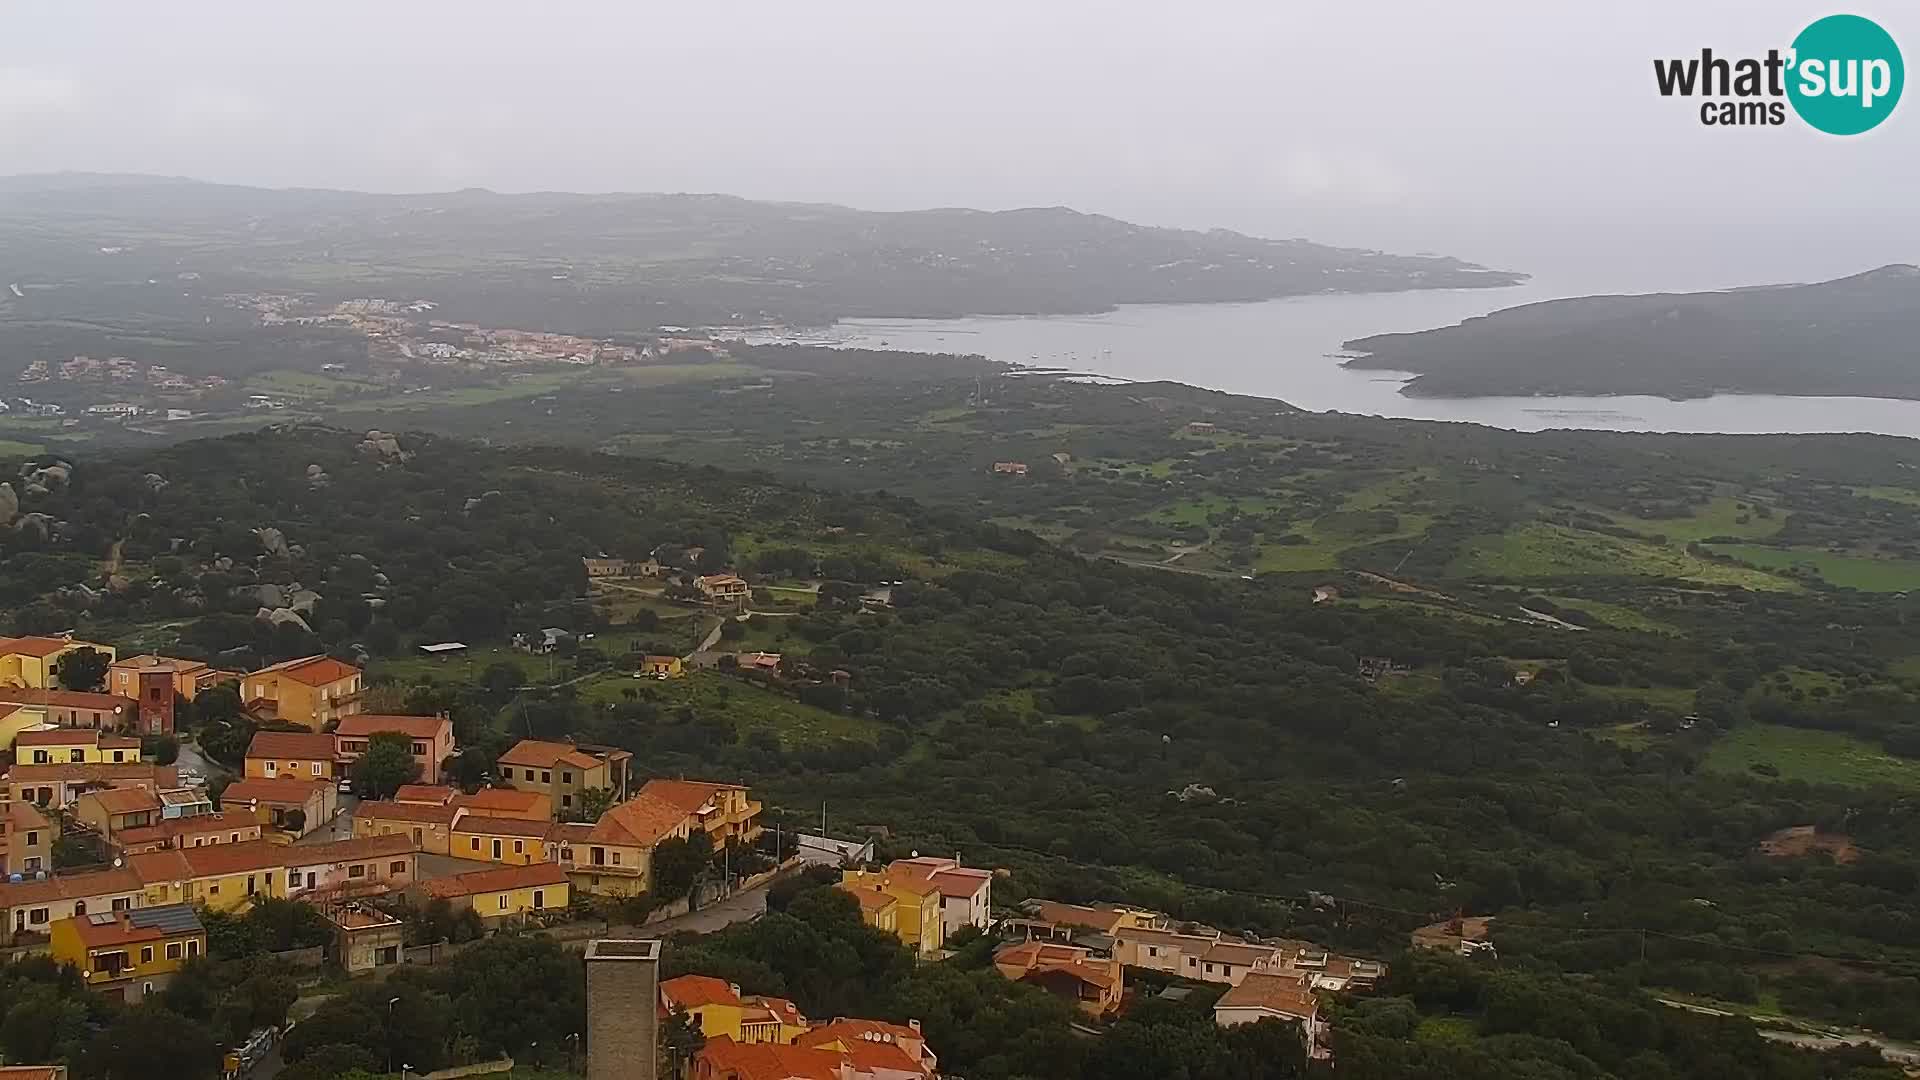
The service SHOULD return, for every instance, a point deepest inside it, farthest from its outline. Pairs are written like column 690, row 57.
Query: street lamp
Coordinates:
column 391, row 1002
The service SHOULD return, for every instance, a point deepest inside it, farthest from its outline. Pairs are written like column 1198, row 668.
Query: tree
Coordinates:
column 593, row 803
column 333, row 1061
column 163, row 749
column 294, row 821
column 680, row 1039
column 677, row 865
column 387, row 764
column 83, row 669
column 151, row 1042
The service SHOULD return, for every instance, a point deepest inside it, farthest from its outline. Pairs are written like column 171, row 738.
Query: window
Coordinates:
column 546, row 777
column 539, row 899
column 1209, row 969
column 474, row 843
column 316, row 768
column 419, row 749
column 213, row 890
column 234, row 838
column 76, row 755
column 193, row 946
column 43, row 757
column 250, row 887
column 174, row 950
column 120, row 903
column 1151, row 951
column 416, row 837
column 119, row 756
column 146, row 988
column 357, row 870
column 599, row 856
column 503, row 901
column 146, row 954
column 33, row 837
column 519, row 847
column 38, row 915
column 566, row 777
column 79, row 907
column 273, row 768
column 566, row 800
column 399, row 867
column 616, row 858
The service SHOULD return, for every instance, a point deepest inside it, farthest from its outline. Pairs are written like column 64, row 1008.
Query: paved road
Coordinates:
column 340, row 828
column 743, row 906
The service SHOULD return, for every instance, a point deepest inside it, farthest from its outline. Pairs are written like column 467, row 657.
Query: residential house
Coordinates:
column 724, row 1058
column 224, row 877
column 1094, row 985
column 313, row 691
column 1273, row 997
column 188, row 677
column 966, row 894
column 62, row 746
column 33, row 906
column 846, row 1035
column 917, row 920
column 505, row 892
column 346, row 869
column 1465, row 935
column 16, row 718
column 726, row 812
column 26, row 840
column 33, row 1072
column 59, row 785
column 34, row 662
column 429, row 737
column 425, row 794
column 428, row 826
column 563, row 771
column 662, row 667
column 297, row 755
column 603, row 567
column 110, row 811
column 878, row 909
column 200, row 830
column 514, row 841
column 273, row 802
column 1061, row 922
column 615, row 854
column 76, row 708
column 364, row 938
column 718, row 1008
column 505, row 803
column 179, row 802
column 130, row 953
column 722, row 588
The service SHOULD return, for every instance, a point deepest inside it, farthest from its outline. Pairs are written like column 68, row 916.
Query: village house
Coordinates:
column 274, row 802
column 75, row 708
column 1201, row 427
column 34, row 662
column 600, row 566
column 724, row 1058
column 188, row 677
column 200, row 830
column 614, row 855
column 1462, row 934
column 33, row 1072
column 15, row 719
column 662, row 667
column 224, row 877
column 348, row 869
column 1273, row 997
column 114, row 810
column 917, row 918
column 61, row 746
column 313, row 691
column 1010, row 468
column 513, row 841
column 564, row 772
column 130, row 953
column 430, row 739
column 296, row 755
column 718, row 1008
column 878, row 909
column 722, row 588
column 428, row 826
column 26, row 840
column 726, row 812
column 364, row 938
column 505, row 892
column 1094, row 985
column 59, row 785
column 966, row 894
column 30, row 907
column 854, row 1035
column 504, row 803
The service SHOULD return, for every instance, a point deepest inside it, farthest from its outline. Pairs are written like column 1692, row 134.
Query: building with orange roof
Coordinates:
column 34, row 662
column 851, row 1034
column 59, row 785
column 918, row 920
column 615, row 856
column 313, row 691
column 188, row 677
column 26, row 840
column 113, row 810
column 429, row 826
column 274, row 802
column 565, row 771
column 878, row 908
column 346, row 869
column 224, row 877
column 75, row 708
column 966, row 893
column 502, row 802
column 74, row 746
column 130, row 953
column 199, row 830
column 425, row 794
column 30, row 907
column 299, row 755
column 513, row 841
column 1094, row 985
column 505, row 892
column 726, row 812
column 429, row 737
column 722, row 588
column 33, row 1072
column 1272, row 997
column 723, row 1058
column 719, row 1009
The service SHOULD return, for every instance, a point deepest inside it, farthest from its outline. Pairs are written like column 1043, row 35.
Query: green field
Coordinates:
column 1889, row 494
column 307, row 385
column 10, row 449
column 1616, row 615
column 1817, row 757
column 1541, row 550
column 1720, row 517
column 748, row 706
column 1846, row 571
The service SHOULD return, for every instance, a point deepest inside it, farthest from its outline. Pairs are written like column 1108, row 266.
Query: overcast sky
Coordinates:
column 1519, row 132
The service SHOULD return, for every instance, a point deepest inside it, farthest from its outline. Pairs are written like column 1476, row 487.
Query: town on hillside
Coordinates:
column 130, row 851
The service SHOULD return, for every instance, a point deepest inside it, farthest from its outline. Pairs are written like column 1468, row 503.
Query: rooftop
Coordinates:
column 499, row 879
column 305, row 745
column 311, row 670
column 273, row 789
column 366, row 725
column 417, row 812
column 1286, row 995
column 540, row 754
column 642, row 820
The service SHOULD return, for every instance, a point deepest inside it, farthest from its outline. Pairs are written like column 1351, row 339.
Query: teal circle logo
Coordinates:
column 1846, row 75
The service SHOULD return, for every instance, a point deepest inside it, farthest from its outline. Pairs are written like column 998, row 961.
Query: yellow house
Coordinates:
column 34, row 662
column 564, row 772
column 718, row 1008
column 130, row 953
column 430, row 826
column 26, row 839
column 917, row 922
column 32, row 906
column 877, row 909
column 725, row 811
column 312, row 691
column 665, row 666
column 614, row 856
column 114, row 810
column 224, row 877
column 512, row 841
column 74, row 746
column 302, row 755
column 505, row 891
column 17, row 718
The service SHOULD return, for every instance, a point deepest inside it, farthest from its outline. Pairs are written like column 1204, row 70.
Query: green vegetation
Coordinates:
column 1846, row 571
column 1553, row 551
column 1814, row 757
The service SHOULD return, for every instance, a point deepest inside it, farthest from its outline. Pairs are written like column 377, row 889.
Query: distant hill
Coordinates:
column 632, row 261
column 1854, row 336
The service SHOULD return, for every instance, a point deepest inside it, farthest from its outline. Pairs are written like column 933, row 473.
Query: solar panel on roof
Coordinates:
column 100, row 918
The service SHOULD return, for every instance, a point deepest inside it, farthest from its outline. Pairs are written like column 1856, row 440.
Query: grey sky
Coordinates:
column 1507, row 130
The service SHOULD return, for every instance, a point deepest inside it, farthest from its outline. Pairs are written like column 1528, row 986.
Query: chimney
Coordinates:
column 623, row 999
column 915, row 1025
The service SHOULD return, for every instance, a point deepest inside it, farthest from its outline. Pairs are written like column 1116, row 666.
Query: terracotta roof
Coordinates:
column 130, row 800
column 76, row 737
column 1236, row 952
column 22, row 815
column 435, row 794
column 71, row 699
column 360, row 847
column 302, row 745
column 500, row 826
column 870, row 898
column 147, row 661
column 69, row 887
column 506, row 800
column 692, row 991
column 33, row 1072
column 768, row 1061
column 1100, row 919
column 871, row 1057
column 41, row 647
column 499, row 879
column 688, row 795
column 858, row 1028
column 108, row 928
column 273, row 789
column 420, row 813
column 569, row 832
column 540, row 754
column 98, row 772
column 311, row 670
column 219, row 860
column 367, row 725
column 1039, row 957
column 643, row 820
column 188, row 826
column 1284, row 994
column 778, row 1008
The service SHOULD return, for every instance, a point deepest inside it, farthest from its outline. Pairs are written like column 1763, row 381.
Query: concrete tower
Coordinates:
column 623, row 998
